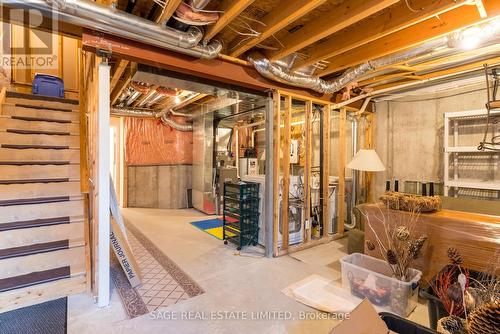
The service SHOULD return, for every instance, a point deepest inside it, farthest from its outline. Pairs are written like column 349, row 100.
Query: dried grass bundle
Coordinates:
column 410, row 202
column 397, row 243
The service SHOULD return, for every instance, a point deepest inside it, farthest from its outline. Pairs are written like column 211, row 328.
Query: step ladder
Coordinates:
column 42, row 241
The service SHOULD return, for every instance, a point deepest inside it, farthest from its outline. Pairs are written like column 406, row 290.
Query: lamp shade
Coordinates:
column 366, row 160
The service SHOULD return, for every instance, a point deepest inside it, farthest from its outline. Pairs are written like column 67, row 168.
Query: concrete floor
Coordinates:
column 232, row 283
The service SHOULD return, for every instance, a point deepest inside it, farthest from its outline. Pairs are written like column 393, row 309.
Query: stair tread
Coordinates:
column 41, row 119
column 32, row 249
column 29, row 106
column 34, row 223
column 35, row 162
column 38, row 132
column 27, row 146
column 7, row 122
column 34, row 278
column 39, row 200
column 11, row 94
column 20, row 181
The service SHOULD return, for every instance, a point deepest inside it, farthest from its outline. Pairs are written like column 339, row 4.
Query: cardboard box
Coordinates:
column 364, row 319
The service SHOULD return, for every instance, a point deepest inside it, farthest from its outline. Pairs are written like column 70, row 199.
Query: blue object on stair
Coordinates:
column 48, row 85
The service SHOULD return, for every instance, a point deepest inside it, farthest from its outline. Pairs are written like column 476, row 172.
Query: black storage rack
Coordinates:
column 241, row 213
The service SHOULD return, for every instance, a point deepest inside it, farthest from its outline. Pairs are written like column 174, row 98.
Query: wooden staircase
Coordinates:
column 42, row 243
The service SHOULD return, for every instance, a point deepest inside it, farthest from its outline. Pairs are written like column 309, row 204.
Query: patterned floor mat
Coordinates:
column 163, row 282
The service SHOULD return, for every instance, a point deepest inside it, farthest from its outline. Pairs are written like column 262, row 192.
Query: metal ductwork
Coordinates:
column 109, row 20
column 280, row 70
column 130, row 112
column 180, row 114
column 177, row 126
column 137, row 112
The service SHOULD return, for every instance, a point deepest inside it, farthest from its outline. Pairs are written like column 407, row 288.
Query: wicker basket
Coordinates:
column 441, row 330
column 410, row 202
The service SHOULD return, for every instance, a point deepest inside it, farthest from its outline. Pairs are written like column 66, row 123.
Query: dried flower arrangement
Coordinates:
column 409, row 202
column 398, row 244
column 473, row 305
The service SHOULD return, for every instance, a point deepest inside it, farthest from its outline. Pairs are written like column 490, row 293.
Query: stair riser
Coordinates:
column 22, row 265
column 9, row 123
column 40, row 211
column 26, row 191
column 9, row 110
column 27, row 236
column 40, row 293
column 25, row 139
column 39, row 172
column 71, row 155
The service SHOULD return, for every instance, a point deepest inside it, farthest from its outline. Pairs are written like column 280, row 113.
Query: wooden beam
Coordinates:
column 307, row 170
column 397, row 18
column 119, row 69
column 286, row 172
column 276, row 172
column 340, row 17
column 231, row 9
column 325, row 169
column 341, row 172
column 436, row 27
column 123, row 84
column 481, row 9
column 274, row 21
column 369, row 144
column 168, row 11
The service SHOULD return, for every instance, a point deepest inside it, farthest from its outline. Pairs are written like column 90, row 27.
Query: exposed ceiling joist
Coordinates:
column 143, row 97
column 274, row 21
column 446, row 23
column 168, row 11
column 124, row 83
column 398, row 18
column 344, row 15
column 120, row 68
column 231, row 8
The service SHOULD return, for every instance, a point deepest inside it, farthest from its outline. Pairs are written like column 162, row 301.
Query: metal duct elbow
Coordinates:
column 180, row 114
column 109, row 20
column 177, row 126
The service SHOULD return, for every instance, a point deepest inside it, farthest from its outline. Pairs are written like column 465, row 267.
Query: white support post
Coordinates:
column 103, row 184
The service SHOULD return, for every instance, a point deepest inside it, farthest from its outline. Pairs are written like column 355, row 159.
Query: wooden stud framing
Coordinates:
column 346, row 14
column 119, row 69
column 398, row 18
column 341, row 167
column 231, row 9
column 123, row 84
column 435, row 27
column 169, row 9
column 276, row 173
column 286, row 171
column 326, row 168
column 274, row 21
column 307, row 170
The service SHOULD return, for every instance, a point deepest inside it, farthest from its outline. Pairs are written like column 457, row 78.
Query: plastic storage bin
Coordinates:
column 434, row 306
column 368, row 277
column 48, row 85
column 402, row 326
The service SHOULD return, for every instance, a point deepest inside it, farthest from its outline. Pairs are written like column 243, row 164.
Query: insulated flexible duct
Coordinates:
column 133, row 112
column 177, row 126
column 278, row 72
column 109, row 20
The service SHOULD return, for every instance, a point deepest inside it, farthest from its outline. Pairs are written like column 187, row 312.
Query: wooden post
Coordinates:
column 286, row 171
column 103, row 184
column 307, row 170
column 326, row 168
column 369, row 131
column 276, row 173
column 341, row 166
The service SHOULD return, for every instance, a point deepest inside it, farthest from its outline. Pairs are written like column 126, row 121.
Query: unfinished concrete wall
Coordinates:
column 410, row 131
column 163, row 187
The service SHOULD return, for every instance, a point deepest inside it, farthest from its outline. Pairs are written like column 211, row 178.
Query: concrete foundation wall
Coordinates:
column 163, row 187
column 409, row 137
